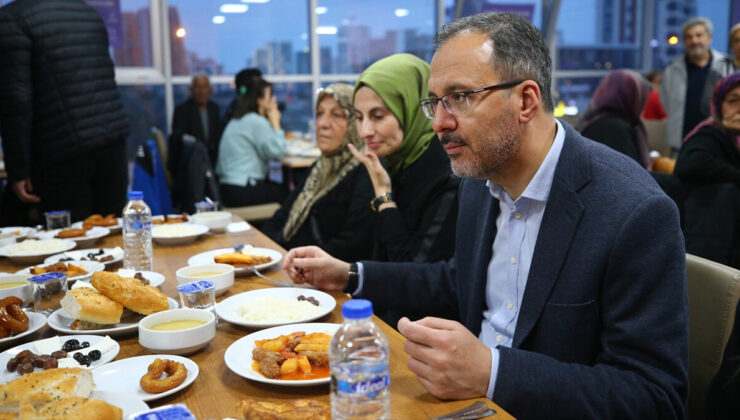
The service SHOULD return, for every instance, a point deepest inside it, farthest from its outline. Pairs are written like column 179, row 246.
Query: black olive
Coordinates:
column 71, row 345
column 84, row 345
column 94, row 355
column 78, row 357
column 85, row 361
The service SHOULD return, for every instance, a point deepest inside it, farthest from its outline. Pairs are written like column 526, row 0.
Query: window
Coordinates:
column 129, row 31
column 144, row 105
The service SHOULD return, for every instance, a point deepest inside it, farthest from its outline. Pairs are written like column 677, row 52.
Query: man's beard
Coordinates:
column 697, row 51
column 494, row 148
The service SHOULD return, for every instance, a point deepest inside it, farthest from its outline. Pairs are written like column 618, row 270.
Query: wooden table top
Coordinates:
column 217, row 390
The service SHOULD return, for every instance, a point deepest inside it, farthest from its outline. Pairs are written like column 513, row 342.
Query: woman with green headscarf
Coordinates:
column 416, row 196
column 330, row 208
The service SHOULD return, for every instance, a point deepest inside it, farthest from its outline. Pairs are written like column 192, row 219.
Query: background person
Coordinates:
column 330, row 208
column 197, row 117
column 653, row 108
column 62, row 120
column 251, row 139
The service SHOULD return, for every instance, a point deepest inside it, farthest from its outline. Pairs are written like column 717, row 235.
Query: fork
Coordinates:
column 260, row 275
column 476, row 410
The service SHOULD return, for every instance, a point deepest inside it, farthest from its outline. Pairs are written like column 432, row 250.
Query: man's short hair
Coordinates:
column 708, row 26
column 519, row 49
column 199, row 75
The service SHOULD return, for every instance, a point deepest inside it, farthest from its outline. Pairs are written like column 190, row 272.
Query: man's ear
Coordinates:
column 531, row 100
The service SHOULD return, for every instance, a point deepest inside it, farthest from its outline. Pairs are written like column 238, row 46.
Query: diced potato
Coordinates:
column 289, row 366
column 309, row 346
column 316, row 338
column 276, row 344
column 303, row 364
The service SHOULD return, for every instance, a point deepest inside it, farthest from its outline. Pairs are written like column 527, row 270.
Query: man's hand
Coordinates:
column 24, row 190
column 310, row 264
column 449, row 361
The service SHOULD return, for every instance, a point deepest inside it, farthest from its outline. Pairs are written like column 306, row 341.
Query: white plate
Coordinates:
column 238, row 356
column 130, row 404
column 89, row 266
column 78, row 254
column 193, row 231
column 33, row 258
column 35, row 322
column 228, row 310
column 155, row 279
column 124, row 375
column 61, row 320
column 91, row 236
column 21, row 232
column 106, row 357
column 207, row 258
column 113, row 228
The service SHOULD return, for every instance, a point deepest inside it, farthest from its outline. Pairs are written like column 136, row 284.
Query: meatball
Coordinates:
column 320, row 358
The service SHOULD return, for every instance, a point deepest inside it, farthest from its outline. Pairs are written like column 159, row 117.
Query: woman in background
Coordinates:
column 250, row 140
column 613, row 116
column 329, row 208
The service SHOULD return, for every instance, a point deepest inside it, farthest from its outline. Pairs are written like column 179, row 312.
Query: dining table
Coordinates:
column 217, row 390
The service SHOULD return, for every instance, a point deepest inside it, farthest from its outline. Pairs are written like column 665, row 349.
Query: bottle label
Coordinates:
column 370, row 388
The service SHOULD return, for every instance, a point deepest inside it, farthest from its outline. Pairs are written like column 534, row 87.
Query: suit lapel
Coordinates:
column 559, row 224
column 482, row 249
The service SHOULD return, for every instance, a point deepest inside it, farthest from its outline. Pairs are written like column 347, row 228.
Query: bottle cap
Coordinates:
column 42, row 278
column 195, row 286
column 135, row 195
column 357, row 308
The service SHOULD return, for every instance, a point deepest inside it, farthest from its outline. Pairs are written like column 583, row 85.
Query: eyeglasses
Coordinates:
column 457, row 102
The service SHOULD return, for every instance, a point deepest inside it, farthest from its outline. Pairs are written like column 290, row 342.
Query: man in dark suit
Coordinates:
column 197, row 118
column 569, row 267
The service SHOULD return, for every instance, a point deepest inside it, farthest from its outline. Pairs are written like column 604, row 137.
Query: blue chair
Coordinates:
column 149, row 177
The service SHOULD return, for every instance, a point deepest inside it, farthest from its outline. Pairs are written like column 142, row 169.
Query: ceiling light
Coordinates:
column 234, row 8
column 320, row 10
column 219, row 20
column 180, row 33
column 255, row 1
column 402, row 12
column 326, row 30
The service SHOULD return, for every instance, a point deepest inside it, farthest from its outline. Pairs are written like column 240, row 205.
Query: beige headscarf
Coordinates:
column 329, row 169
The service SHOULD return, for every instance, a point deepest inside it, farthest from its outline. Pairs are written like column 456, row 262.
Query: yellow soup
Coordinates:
column 206, row 274
column 12, row 284
column 182, row 324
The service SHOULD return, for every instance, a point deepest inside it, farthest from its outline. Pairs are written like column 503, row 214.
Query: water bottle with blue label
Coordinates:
column 358, row 359
column 137, row 234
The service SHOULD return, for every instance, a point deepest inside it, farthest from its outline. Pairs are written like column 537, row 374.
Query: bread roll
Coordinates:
column 130, row 292
column 36, row 389
column 87, row 304
column 293, row 410
column 78, row 408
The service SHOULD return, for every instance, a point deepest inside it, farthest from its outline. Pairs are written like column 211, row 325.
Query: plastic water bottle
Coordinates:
column 137, row 234
column 358, row 359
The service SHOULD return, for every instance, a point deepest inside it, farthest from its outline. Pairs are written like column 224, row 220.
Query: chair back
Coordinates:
column 163, row 152
column 657, row 137
column 714, row 290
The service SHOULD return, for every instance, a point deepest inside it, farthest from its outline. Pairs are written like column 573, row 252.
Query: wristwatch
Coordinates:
column 377, row 201
column 353, row 279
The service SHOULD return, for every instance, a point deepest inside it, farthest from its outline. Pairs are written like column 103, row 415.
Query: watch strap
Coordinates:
column 353, row 279
column 377, row 201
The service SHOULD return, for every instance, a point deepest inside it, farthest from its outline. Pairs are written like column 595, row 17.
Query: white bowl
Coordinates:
column 24, row 292
column 215, row 220
column 223, row 280
column 179, row 341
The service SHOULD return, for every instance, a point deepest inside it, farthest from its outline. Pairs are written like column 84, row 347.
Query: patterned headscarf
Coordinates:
column 721, row 89
column 329, row 169
column 401, row 81
column 622, row 92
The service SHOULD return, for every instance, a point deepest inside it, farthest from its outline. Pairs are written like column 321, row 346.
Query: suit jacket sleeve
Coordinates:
column 16, row 97
column 641, row 369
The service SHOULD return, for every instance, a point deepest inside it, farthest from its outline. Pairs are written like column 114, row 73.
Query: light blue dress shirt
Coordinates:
column 247, row 145
column 517, row 226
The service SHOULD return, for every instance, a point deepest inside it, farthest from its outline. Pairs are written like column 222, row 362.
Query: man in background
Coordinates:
column 61, row 117
column 689, row 79
column 198, row 118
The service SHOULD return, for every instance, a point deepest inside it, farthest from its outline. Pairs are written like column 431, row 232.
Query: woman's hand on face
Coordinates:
column 273, row 113
column 378, row 175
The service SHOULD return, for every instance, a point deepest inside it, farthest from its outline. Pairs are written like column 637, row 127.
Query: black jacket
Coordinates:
column 709, row 157
column 186, row 120
column 422, row 228
column 58, row 95
column 341, row 222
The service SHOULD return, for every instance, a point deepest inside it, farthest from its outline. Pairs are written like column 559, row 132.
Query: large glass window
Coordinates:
column 353, row 35
column 129, row 31
column 222, row 38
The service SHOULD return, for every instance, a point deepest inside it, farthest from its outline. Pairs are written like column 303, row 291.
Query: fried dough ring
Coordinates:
column 12, row 317
column 3, row 332
column 71, row 233
column 176, row 374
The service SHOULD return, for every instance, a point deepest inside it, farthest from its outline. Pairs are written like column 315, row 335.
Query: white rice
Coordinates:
column 269, row 309
column 33, row 247
column 175, row 229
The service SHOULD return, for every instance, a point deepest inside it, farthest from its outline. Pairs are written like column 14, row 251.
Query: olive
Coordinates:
column 71, row 345
column 85, row 360
column 78, row 357
column 85, row 345
column 94, row 355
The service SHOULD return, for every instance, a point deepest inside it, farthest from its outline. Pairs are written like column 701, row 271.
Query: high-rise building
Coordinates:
column 669, row 16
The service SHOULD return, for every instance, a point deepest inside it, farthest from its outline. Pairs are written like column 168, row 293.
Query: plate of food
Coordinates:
column 148, row 277
column 168, row 219
column 67, row 351
column 83, row 236
column 76, row 270
column 127, row 376
column 177, row 233
column 242, row 258
column 113, row 305
column 260, row 356
column 19, row 232
column 110, row 222
column 106, row 256
column 264, row 308
column 31, row 251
